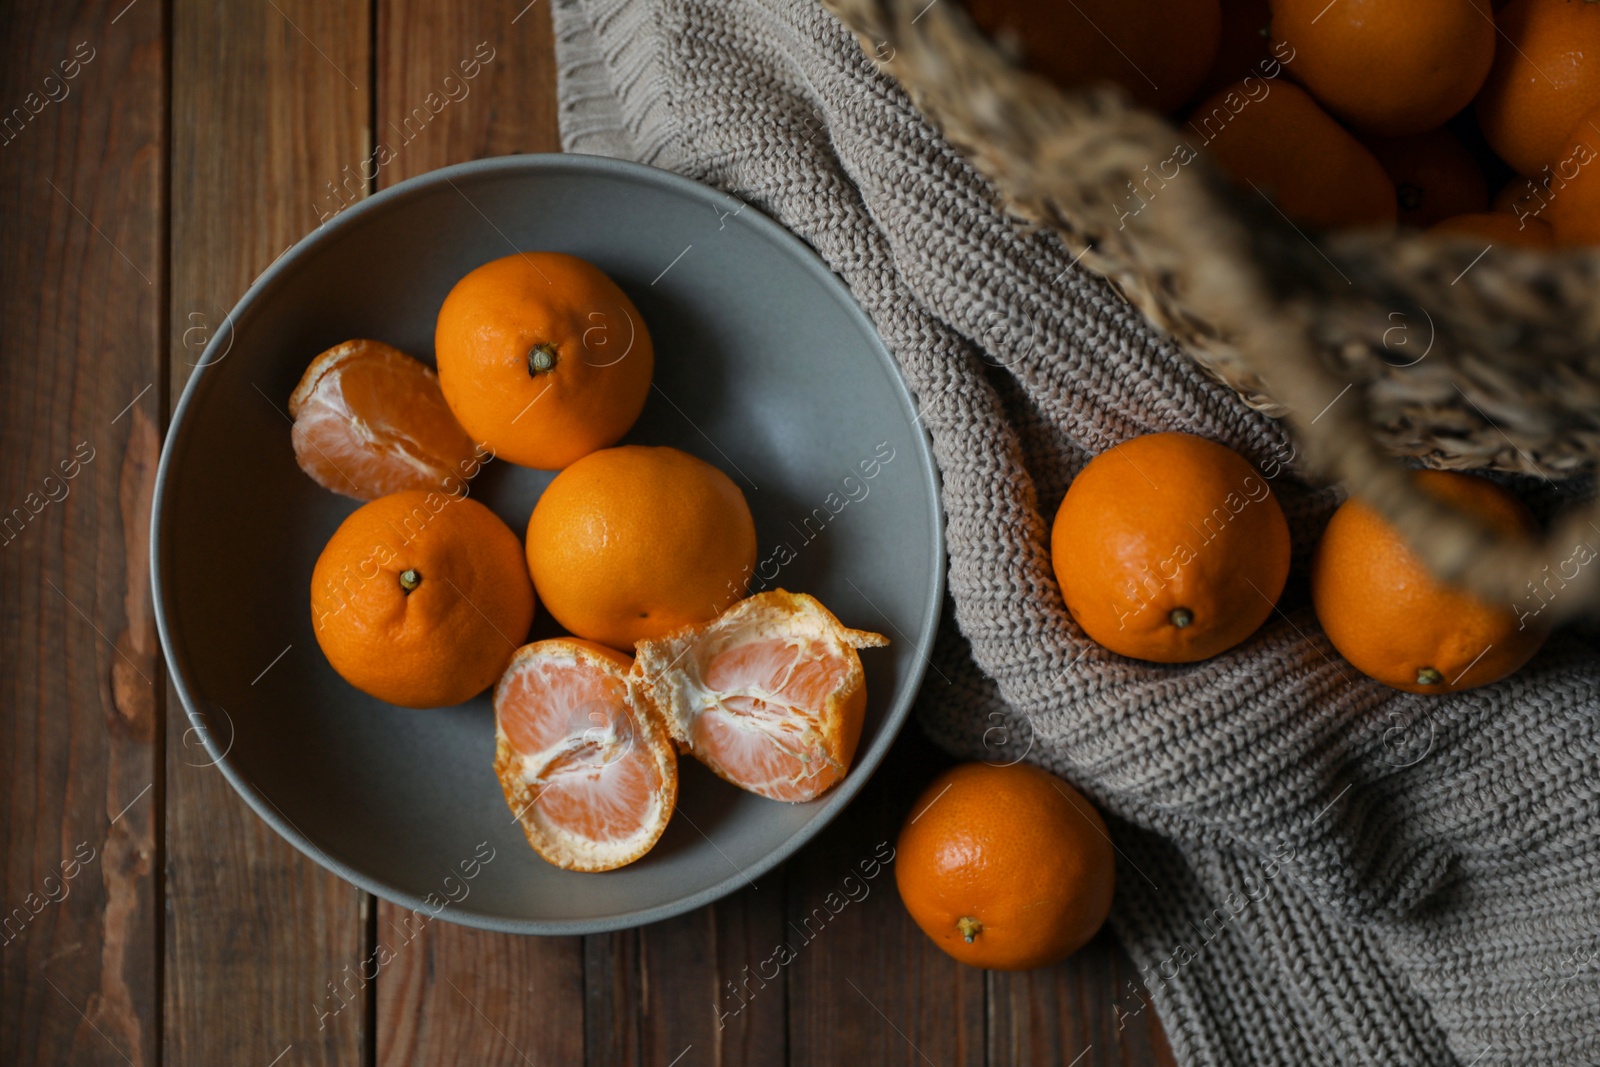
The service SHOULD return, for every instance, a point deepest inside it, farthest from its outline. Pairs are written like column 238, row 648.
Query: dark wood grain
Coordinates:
column 263, row 947
column 82, row 110
column 866, row 985
column 455, row 995
column 1092, row 1009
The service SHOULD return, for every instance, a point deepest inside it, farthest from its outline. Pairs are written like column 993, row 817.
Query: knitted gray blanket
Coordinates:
column 1313, row 869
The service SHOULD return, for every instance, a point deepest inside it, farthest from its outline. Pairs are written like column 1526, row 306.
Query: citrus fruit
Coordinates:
column 369, row 421
column 1170, row 548
column 1274, row 137
column 1157, row 50
column 1242, row 45
column 1394, row 621
column 1570, row 190
column 634, row 542
column 542, row 357
column 1524, row 198
column 583, row 760
column 420, row 598
column 1546, row 77
column 770, row 695
column 1434, row 176
column 1386, row 67
column 1006, row 868
column 1498, row 228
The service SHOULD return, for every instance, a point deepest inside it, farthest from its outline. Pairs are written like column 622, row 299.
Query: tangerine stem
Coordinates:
column 1180, row 617
column 970, row 928
column 409, row 580
column 541, row 359
column 1429, row 676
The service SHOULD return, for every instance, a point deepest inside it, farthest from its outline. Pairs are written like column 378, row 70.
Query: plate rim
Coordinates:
column 178, row 430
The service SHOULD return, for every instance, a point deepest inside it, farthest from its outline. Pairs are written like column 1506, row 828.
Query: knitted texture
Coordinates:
column 1312, row 868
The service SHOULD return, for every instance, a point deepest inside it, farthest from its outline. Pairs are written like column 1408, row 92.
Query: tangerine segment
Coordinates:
column 370, row 420
column 770, row 695
column 585, row 764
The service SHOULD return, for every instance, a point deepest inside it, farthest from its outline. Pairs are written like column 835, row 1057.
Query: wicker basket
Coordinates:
column 1370, row 346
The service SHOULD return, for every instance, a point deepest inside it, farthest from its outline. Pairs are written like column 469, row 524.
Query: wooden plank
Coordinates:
column 713, row 991
column 82, row 101
column 450, row 994
column 457, row 82
column 462, row 81
column 263, row 947
column 1092, row 1009
column 866, row 986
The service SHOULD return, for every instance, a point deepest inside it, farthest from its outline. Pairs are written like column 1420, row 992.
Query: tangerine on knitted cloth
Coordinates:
column 1313, row 868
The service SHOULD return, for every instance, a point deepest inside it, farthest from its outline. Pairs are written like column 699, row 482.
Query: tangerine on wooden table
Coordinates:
column 1394, row 621
column 1499, row 228
column 583, row 760
column 1273, row 137
column 634, row 542
column 370, row 420
column 1005, row 867
column 770, row 695
column 1388, row 67
column 1545, row 79
column 1157, row 50
column 543, row 357
column 1434, row 176
column 420, row 598
column 1170, row 548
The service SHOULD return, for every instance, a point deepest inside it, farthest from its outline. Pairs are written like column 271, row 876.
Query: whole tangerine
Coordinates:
column 542, row 357
column 1434, row 176
column 420, row 598
column 632, row 543
column 1394, row 621
column 1568, row 195
column 1170, row 548
column 1384, row 67
column 1157, row 50
column 1545, row 78
column 1271, row 136
column 1005, row 867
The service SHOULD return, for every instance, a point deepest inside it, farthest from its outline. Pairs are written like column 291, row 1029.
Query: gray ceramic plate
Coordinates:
column 765, row 366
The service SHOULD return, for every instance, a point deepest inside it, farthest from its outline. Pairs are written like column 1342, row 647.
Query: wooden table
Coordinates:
column 155, row 156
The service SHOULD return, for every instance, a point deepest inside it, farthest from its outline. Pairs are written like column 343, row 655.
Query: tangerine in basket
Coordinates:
column 584, row 762
column 1434, row 176
column 543, row 357
column 1006, row 868
column 634, row 542
column 1388, row 68
column 1569, row 192
column 1545, row 79
column 1499, row 228
column 370, row 420
column 1270, row 135
column 420, row 598
column 770, row 695
column 1170, row 548
column 1157, row 50
column 1394, row 621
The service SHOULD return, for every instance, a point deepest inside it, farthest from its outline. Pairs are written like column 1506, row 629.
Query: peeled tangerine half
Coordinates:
column 770, row 695
column 586, row 765
column 370, row 420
